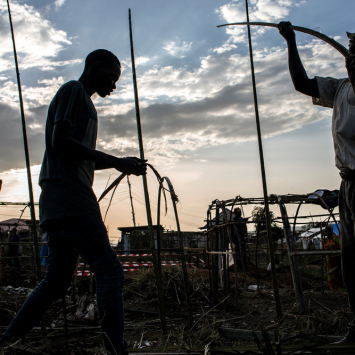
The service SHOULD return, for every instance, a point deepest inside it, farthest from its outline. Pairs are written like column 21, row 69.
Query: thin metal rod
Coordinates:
column 262, row 165
column 146, row 193
column 28, row 165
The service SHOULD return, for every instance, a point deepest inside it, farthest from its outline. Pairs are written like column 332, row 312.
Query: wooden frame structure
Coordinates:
column 218, row 249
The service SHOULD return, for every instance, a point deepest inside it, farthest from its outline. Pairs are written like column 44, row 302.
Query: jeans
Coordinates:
column 87, row 237
column 347, row 234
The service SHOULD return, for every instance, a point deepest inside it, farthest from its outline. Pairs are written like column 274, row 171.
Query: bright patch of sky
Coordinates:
column 194, row 88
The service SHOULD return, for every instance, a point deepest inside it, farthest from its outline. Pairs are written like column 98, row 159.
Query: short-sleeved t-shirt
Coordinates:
column 338, row 94
column 67, row 184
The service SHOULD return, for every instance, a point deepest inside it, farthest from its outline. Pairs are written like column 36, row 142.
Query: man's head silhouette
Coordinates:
column 101, row 72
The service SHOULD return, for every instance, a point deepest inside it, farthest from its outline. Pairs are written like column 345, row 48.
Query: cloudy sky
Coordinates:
column 195, row 96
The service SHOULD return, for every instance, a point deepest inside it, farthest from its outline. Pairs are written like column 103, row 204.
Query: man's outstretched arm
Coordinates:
column 299, row 77
column 69, row 148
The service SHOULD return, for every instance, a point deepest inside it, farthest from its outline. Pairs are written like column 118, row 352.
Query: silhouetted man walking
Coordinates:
column 69, row 211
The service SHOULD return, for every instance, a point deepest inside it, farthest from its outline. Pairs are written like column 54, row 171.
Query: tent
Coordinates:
column 313, row 234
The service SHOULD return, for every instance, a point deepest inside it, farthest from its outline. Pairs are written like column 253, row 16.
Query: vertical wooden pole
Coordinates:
column 209, row 248
column 146, row 193
column 295, row 271
column 322, row 257
column 228, row 258
column 263, row 175
column 216, row 259
column 224, row 249
column 256, row 258
column 158, row 226
column 28, row 165
column 229, row 234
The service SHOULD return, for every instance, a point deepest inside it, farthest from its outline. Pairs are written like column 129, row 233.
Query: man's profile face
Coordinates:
column 107, row 76
column 352, row 45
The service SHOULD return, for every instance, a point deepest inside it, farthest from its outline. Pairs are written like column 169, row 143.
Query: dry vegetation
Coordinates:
column 328, row 313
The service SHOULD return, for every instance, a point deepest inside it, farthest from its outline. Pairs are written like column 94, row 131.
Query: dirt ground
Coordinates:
column 327, row 312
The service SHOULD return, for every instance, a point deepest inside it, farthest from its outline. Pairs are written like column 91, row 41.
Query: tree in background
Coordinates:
column 258, row 216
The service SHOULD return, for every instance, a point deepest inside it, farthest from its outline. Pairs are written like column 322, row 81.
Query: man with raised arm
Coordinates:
column 337, row 94
column 69, row 211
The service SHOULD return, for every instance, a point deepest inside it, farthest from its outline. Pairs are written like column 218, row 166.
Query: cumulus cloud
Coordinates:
column 37, row 41
column 15, row 187
column 259, row 10
column 226, row 47
column 59, row 3
column 216, row 106
column 177, row 50
column 208, row 106
column 33, row 96
column 11, row 139
column 185, row 108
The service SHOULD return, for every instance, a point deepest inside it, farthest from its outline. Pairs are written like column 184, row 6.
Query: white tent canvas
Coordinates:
column 311, row 235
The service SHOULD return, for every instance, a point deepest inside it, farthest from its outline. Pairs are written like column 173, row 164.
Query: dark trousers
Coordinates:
column 87, row 237
column 347, row 234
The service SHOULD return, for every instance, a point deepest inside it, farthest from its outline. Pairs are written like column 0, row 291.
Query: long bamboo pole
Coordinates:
column 28, row 165
column 262, row 165
column 145, row 186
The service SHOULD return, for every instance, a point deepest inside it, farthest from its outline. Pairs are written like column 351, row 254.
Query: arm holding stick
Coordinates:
column 68, row 148
column 299, row 76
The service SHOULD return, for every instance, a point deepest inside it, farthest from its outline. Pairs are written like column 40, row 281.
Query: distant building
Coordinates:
column 23, row 226
column 139, row 238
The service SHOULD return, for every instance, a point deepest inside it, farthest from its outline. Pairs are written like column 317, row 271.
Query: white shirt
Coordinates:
column 338, row 94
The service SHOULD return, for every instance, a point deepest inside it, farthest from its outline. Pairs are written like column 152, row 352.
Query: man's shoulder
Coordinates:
column 71, row 84
column 67, row 90
column 331, row 79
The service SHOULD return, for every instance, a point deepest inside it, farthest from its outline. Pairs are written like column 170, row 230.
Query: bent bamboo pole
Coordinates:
column 185, row 280
column 339, row 47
